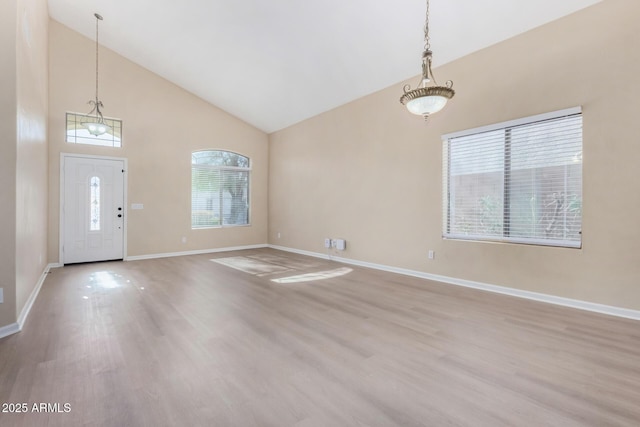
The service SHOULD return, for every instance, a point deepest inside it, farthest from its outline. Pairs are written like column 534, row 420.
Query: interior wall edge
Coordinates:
column 196, row 252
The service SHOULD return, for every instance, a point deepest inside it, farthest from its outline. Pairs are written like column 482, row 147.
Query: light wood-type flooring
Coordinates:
column 186, row 341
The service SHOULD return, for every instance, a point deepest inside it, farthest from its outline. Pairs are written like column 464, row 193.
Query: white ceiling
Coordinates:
column 274, row 63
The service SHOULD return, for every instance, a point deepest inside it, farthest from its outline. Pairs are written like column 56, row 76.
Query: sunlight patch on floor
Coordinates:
column 318, row 275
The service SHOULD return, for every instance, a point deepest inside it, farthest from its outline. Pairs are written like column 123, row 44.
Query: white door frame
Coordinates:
column 64, row 156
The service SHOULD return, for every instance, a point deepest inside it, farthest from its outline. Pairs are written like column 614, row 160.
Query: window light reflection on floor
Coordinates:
column 105, row 279
column 319, row 275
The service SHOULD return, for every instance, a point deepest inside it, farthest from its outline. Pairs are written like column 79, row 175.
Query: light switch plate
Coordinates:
column 135, row 206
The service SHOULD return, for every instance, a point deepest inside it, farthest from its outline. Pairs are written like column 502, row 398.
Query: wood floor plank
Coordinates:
column 186, row 341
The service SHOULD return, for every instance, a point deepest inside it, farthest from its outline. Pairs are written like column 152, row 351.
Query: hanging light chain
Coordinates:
column 98, row 19
column 95, row 123
column 427, row 39
column 97, row 104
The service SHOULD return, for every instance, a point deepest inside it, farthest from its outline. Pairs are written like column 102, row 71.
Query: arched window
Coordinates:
column 219, row 189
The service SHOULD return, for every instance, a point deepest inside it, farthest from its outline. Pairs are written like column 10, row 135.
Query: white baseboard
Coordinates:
column 17, row 327
column 34, row 294
column 550, row 299
column 197, row 252
column 10, row 329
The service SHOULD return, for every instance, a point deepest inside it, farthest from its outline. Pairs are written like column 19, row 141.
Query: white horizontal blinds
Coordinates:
column 520, row 183
column 476, row 184
column 235, row 197
column 205, row 196
column 545, row 189
column 219, row 189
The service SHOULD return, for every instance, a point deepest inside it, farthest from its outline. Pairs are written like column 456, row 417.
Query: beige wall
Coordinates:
column 23, row 159
column 371, row 173
column 162, row 125
column 8, row 160
column 32, row 160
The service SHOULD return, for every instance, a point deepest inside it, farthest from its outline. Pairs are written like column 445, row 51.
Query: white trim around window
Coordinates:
column 516, row 182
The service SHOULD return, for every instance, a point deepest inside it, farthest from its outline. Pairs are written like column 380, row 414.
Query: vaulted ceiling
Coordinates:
column 273, row 63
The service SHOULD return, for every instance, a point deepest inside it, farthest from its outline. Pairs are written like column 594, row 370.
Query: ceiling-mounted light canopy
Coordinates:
column 94, row 122
column 425, row 99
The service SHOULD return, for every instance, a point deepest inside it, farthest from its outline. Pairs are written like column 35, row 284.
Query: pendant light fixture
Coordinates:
column 427, row 99
column 94, row 121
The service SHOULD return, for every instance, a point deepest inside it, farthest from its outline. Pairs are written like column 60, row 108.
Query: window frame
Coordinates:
column 507, row 127
column 222, row 168
column 115, row 141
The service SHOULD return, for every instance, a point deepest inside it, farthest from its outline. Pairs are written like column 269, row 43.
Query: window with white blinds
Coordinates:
column 518, row 182
column 219, row 189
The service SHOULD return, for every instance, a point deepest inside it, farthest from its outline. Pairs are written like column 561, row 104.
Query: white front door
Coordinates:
column 93, row 209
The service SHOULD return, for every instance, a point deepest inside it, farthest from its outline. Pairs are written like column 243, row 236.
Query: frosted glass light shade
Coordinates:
column 96, row 128
column 426, row 100
column 426, row 105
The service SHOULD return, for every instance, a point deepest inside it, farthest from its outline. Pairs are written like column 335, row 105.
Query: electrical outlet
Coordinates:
column 432, row 254
column 278, row 234
column 184, row 239
column 1, row 296
column 327, row 243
